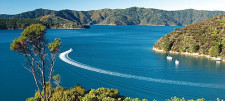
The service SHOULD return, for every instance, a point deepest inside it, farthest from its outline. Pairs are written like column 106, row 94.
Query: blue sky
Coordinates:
column 18, row 6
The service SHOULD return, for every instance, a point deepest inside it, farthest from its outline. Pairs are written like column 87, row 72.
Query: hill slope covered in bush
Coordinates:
column 78, row 93
column 129, row 16
column 23, row 23
column 207, row 38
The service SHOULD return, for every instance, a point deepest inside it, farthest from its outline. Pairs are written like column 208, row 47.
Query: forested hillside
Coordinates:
column 129, row 16
column 207, row 37
column 23, row 23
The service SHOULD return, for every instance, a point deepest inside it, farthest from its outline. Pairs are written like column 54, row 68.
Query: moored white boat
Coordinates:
column 177, row 62
column 217, row 59
column 169, row 57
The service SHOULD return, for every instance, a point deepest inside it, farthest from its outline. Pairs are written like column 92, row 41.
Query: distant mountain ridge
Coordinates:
column 129, row 16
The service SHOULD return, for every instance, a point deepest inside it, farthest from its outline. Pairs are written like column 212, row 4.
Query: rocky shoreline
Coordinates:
column 186, row 53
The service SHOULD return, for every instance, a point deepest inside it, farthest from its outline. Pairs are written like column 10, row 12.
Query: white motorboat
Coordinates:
column 217, row 59
column 177, row 62
column 169, row 57
column 70, row 49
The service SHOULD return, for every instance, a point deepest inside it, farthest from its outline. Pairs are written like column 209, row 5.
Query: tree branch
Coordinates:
column 53, row 56
column 33, row 72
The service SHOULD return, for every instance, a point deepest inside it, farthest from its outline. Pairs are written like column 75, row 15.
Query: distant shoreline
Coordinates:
column 186, row 53
column 68, row 28
column 134, row 25
column 47, row 28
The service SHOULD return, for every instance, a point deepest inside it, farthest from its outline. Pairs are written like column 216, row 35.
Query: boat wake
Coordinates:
column 64, row 57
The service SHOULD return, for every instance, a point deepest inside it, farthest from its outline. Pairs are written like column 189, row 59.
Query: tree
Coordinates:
column 223, row 43
column 194, row 48
column 33, row 45
column 214, row 51
column 223, row 47
column 166, row 44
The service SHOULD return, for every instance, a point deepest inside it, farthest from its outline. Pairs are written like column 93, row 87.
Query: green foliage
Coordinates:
column 100, row 93
column 19, row 23
column 214, row 51
column 62, row 94
column 183, row 99
column 166, row 45
column 223, row 43
column 207, row 37
column 72, row 94
column 23, row 23
column 33, row 99
column 33, row 14
column 78, row 93
column 34, row 31
column 32, row 44
column 146, row 100
column 194, row 48
column 17, row 44
column 55, row 45
column 223, row 47
column 31, row 34
column 56, row 77
column 129, row 16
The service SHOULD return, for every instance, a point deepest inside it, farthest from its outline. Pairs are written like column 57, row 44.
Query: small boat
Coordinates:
column 217, row 59
column 71, row 49
column 177, row 62
column 218, row 62
column 169, row 57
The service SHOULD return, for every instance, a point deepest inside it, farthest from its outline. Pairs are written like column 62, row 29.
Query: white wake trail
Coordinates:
column 64, row 56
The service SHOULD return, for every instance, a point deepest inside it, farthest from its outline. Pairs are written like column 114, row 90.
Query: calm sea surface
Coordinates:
column 120, row 49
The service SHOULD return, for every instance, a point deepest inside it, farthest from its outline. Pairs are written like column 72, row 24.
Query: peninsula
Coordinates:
column 205, row 38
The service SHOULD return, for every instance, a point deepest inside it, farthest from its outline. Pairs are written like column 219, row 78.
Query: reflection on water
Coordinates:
column 196, row 62
column 218, row 63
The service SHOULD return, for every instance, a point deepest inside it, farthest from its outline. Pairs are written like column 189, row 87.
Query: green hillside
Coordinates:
column 23, row 23
column 19, row 23
column 207, row 37
column 129, row 16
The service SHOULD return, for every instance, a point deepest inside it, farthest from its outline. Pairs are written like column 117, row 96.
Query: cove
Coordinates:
column 120, row 49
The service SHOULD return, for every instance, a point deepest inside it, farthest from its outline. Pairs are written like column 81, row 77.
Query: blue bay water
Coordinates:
column 122, row 49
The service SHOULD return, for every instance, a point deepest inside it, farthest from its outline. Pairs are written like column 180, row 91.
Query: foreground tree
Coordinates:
column 40, row 56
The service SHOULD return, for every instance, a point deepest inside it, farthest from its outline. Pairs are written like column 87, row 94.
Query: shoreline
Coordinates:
column 136, row 25
column 68, row 28
column 186, row 53
column 47, row 28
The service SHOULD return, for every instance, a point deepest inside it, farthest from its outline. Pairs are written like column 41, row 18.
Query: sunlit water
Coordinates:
column 124, row 57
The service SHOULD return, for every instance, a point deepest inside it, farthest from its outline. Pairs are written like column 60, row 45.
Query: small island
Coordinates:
column 205, row 38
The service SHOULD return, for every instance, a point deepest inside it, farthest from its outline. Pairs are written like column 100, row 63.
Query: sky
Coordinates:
column 19, row 6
